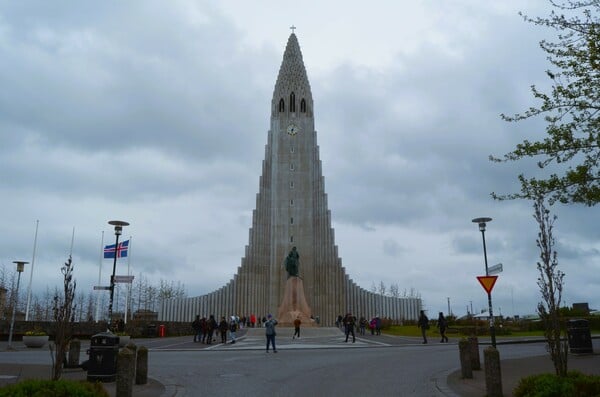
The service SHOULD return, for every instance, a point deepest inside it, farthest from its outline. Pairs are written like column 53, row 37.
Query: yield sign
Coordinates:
column 487, row 282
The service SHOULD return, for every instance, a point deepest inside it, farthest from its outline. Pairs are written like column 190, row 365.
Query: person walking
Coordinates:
column 197, row 329
column 442, row 325
column 424, row 325
column 223, row 326
column 362, row 323
column 232, row 329
column 270, row 332
column 297, row 323
column 349, row 322
column 211, row 325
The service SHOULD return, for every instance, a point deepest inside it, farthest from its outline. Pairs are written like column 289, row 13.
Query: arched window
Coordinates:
column 303, row 106
column 281, row 106
column 292, row 102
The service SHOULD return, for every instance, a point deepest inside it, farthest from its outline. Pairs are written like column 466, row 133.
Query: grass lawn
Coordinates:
column 413, row 330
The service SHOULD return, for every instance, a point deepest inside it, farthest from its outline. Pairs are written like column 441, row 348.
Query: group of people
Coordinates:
column 205, row 329
column 423, row 324
column 362, row 324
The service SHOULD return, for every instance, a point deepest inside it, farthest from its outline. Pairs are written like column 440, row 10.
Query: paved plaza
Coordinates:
column 320, row 363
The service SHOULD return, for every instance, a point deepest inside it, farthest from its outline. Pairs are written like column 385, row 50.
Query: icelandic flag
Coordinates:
column 109, row 250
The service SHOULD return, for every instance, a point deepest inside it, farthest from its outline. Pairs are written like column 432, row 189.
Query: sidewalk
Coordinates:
column 515, row 369
column 13, row 373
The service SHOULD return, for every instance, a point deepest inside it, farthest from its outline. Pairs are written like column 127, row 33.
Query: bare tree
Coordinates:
column 382, row 288
column 64, row 313
column 395, row 290
column 550, row 282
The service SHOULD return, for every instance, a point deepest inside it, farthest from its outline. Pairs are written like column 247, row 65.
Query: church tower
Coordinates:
column 291, row 211
column 291, row 206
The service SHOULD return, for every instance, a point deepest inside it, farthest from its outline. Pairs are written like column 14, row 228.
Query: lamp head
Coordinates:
column 118, row 226
column 481, row 222
column 20, row 266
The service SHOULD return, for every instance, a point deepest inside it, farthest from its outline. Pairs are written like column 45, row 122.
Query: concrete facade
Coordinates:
column 291, row 210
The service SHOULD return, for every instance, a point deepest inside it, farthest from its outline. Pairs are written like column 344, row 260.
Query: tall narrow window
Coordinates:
column 291, row 184
column 303, row 106
column 292, row 102
column 291, row 221
column 291, row 239
column 291, row 149
column 291, row 166
column 292, row 202
column 281, row 106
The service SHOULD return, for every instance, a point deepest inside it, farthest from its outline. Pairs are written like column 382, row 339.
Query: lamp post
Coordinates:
column 20, row 268
column 118, row 231
column 482, row 222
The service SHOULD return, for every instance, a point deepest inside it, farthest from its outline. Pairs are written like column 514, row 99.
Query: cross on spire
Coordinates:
column 293, row 28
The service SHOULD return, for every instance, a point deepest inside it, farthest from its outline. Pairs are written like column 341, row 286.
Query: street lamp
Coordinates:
column 118, row 231
column 481, row 222
column 20, row 268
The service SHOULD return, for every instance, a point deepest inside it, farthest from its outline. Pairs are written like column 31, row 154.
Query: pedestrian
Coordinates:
column 362, row 324
column 297, row 323
column 203, row 329
column 377, row 325
column 197, row 329
column 211, row 325
column 349, row 322
column 372, row 325
column 424, row 325
column 223, row 330
column 270, row 332
column 232, row 329
column 442, row 325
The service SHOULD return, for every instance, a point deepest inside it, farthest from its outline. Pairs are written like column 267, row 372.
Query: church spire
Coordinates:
column 292, row 78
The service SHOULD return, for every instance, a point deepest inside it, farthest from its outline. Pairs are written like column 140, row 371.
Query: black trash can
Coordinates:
column 151, row 331
column 580, row 338
column 102, row 365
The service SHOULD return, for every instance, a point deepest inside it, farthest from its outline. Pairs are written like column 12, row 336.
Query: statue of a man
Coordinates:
column 292, row 263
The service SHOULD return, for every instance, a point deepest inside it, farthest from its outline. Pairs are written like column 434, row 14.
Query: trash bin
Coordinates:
column 102, row 365
column 580, row 338
column 151, row 331
column 162, row 331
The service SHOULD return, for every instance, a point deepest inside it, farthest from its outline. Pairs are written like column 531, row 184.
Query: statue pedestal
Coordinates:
column 294, row 305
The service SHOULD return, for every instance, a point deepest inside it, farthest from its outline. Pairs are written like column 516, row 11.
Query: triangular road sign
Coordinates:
column 487, row 282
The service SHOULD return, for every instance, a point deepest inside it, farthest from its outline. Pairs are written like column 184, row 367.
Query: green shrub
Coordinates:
column 575, row 384
column 53, row 388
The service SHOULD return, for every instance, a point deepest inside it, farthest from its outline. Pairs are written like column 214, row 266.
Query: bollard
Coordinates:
column 493, row 375
column 74, row 351
column 132, row 346
column 475, row 361
column 465, row 359
column 141, row 373
column 125, row 362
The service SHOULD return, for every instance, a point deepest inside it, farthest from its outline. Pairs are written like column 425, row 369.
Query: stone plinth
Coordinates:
column 294, row 305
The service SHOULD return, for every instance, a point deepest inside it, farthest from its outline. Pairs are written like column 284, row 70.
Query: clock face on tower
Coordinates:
column 293, row 129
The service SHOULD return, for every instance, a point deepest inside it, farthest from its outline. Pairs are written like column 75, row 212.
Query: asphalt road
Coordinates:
column 316, row 365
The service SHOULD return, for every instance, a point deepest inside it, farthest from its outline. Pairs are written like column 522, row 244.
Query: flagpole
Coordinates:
column 129, row 286
column 99, row 277
column 37, row 223
column 72, row 241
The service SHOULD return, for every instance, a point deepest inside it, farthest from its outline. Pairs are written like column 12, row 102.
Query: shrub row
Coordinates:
column 575, row 384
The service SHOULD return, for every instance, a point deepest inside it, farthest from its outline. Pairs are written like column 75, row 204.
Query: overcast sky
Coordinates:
column 157, row 113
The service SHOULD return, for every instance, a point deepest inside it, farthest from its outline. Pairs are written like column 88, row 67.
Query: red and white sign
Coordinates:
column 487, row 282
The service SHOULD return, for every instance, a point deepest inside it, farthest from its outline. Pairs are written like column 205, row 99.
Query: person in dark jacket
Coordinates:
column 270, row 332
column 349, row 323
column 442, row 325
column 223, row 329
column 424, row 325
column 211, row 325
column 197, row 329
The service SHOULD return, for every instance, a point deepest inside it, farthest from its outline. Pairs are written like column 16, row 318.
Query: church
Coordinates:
column 291, row 211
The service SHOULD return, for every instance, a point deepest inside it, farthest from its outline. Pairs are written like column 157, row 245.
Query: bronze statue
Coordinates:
column 292, row 262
